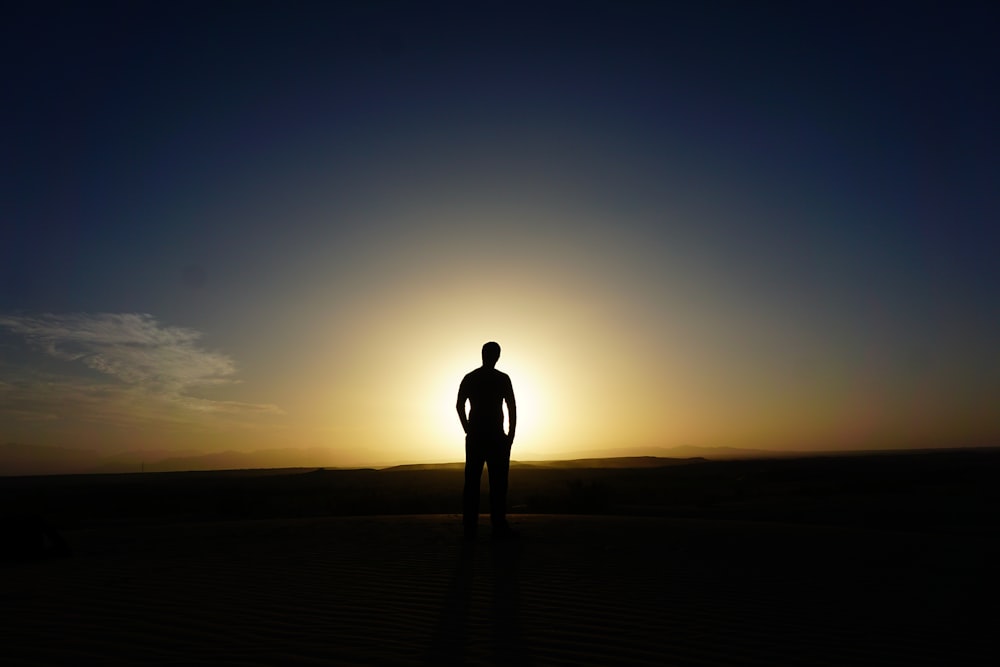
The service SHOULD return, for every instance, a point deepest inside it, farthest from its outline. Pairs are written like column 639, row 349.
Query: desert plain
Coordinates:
column 865, row 559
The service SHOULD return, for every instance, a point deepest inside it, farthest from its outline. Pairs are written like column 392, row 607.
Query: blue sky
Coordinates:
column 715, row 223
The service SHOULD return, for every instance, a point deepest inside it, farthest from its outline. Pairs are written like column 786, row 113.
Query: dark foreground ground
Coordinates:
column 941, row 491
column 847, row 561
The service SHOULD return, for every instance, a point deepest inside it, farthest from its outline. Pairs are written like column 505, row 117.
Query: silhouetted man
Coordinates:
column 486, row 389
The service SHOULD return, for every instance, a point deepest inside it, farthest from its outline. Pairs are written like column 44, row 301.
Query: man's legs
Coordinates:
column 475, row 457
column 498, row 464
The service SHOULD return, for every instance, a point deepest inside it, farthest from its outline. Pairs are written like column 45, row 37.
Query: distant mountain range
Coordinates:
column 21, row 459
column 679, row 452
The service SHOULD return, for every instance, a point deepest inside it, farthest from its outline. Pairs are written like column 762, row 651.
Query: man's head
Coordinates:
column 491, row 353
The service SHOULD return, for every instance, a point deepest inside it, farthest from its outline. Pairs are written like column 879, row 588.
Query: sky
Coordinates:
column 252, row 225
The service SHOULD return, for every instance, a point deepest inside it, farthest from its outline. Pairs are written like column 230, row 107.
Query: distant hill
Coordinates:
column 612, row 462
column 723, row 452
column 19, row 459
column 678, row 452
column 454, row 465
column 315, row 457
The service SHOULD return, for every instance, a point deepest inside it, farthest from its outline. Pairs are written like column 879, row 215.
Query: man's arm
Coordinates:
column 511, row 412
column 463, row 394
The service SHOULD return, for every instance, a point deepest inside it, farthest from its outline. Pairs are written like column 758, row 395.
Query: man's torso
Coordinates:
column 486, row 389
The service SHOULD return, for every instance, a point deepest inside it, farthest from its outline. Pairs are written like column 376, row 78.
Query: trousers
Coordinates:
column 493, row 450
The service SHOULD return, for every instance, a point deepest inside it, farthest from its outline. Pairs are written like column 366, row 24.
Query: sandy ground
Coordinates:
column 574, row 590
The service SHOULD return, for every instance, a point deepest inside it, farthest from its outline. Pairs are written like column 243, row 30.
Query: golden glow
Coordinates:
column 370, row 371
column 425, row 425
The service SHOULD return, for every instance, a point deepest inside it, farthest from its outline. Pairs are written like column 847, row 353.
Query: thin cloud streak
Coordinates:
column 132, row 347
column 151, row 367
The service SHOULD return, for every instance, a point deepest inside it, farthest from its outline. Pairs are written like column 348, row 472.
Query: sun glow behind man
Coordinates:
column 539, row 416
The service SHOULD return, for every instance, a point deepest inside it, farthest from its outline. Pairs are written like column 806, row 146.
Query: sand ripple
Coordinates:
column 574, row 590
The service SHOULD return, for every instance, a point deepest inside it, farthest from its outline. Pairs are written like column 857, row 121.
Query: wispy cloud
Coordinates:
column 142, row 360
column 131, row 347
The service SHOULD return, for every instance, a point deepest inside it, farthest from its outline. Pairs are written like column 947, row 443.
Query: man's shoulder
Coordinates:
column 472, row 377
column 501, row 379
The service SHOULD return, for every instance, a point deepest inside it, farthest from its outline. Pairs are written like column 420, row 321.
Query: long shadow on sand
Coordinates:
column 508, row 642
column 450, row 636
column 455, row 635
